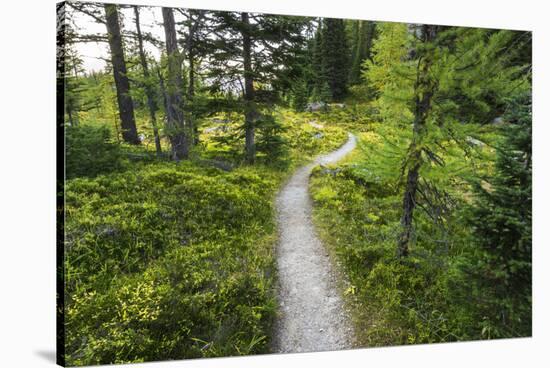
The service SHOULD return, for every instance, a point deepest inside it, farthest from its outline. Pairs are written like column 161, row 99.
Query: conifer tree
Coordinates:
column 125, row 103
column 363, row 34
column 194, row 35
column 318, row 63
column 468, row 76
column 250, row 50
column 73, row 85
column 335, row 56
column 424, row 90
column 300, row 95
column 501, row 221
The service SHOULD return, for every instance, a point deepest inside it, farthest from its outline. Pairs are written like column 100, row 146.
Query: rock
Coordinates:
column 328, row 171
column 498, row 120
column 316, row 106
column 474, row 142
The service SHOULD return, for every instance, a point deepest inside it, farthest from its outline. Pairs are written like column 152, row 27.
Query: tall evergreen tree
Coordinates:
column 250, row 112
column 252, row 51
column 363, row 34
column 501, row 218
column 318, row 62
column 194, row 35
column 73, row 85
column 335, row 56
column 125, row 103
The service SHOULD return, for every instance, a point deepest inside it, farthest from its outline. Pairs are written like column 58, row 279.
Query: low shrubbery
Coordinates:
column 90, row 151
column 285, row 137
column 168, row 260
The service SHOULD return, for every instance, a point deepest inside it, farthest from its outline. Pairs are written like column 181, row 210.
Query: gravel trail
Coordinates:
column 312, row 316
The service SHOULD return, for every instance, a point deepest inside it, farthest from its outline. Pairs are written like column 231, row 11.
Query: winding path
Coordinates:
column 312, row 316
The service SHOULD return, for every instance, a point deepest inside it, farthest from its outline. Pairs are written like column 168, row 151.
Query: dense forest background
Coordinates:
column 173, row 159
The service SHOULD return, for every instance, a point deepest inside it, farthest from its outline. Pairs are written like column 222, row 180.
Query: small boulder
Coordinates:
column 316, row 106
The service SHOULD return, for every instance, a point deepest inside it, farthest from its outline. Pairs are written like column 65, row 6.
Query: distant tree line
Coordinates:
column 215, row 61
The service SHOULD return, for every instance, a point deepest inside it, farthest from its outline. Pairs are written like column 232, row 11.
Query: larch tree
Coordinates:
column 424, row 89
column 437, row 85
column 124, row 99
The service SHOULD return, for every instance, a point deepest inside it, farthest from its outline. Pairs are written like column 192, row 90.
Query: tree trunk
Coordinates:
column 72, row 122
column 250, row 108
column 409, row 203
column 191, row 95
column 175, row 122
column 125, row 105
column 371, row 29
column 424, row 89
column 190, row 46
column 148, row 90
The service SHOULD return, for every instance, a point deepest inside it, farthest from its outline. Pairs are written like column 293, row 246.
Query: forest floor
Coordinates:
column 312, row 315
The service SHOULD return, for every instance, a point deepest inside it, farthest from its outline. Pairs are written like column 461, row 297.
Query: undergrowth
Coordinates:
column 168, row 260
column 430, row 296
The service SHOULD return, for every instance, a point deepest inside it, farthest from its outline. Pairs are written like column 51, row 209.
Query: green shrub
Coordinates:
column 270, row 141
column 90, row 151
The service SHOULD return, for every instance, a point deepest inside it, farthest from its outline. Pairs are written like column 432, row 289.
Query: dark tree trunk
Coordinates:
column 424, row 90
column 175, row 122
column 191, row 95
column 191, row 87
column 371, row 29
column 190, row 46
column 250, row 108
column 148, row 90
column 409, row 202
column 125, row 105
column 72, row 122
